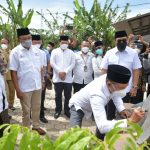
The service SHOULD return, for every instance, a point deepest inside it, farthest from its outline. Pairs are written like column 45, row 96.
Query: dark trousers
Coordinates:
column 148, row 90
column 4, row 119
column 77, row 87
column 76, row 117
column 59, row 88
column 42, row 114
column 134, row 100
column 99, row 135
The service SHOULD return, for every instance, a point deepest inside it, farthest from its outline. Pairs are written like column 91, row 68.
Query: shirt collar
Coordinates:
column 105, row 88
column 22, row 48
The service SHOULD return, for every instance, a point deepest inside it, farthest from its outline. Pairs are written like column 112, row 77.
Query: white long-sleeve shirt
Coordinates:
column 79, row 74
column 93, row 98
column 96, row 62
column 62, row 61
column 3, row 101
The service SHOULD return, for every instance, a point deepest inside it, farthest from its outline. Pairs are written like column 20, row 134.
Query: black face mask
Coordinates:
column 121, row 46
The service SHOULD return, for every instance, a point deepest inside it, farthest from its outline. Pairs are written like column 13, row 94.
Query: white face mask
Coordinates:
column 49, row 48
column 120, row 93
column 4, row 46
column 85, row 49
column 27, row 43
column 137, row 50
column 38, row 46
column 64, row 46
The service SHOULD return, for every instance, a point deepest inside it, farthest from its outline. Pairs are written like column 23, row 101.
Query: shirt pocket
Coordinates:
column 113, row 60
column 38, row 62
column 128, row 63
column 25, row 63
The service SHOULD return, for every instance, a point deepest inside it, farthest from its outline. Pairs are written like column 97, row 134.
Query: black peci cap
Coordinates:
column 64, row 38
column 52, row 44
column 119, row 34
column 98, row 43
column 22, row 31
column 118, row 74
column 36, row 37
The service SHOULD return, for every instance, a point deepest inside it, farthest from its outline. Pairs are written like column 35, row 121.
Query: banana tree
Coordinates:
column 16, row 17
column 98, row 21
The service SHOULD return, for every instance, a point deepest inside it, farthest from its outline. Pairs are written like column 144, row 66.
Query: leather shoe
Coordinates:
column 67, row 114
column 39, row 130
column 45, row 108
column 56, row 115
column 44, row 120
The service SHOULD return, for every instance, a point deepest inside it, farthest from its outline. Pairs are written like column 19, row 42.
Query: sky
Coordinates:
column 62, row 6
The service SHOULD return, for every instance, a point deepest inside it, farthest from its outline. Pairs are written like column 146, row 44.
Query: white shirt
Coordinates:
column 62, row 61
column 28, row 64
column 93, row 98
column 128, row 58
column 96, row 62
column 3, row 103
column 79, row 74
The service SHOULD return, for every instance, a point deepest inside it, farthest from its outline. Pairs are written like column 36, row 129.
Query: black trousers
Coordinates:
column 4, row 119
column 59, row 88
column 148, row 90
column 77, row 87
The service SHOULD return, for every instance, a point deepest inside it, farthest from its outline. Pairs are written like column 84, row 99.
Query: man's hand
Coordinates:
column 137, row 115
column 141, row 38
column 62, row 75
column 47, row 76
column 43, row 85
column 125, row 113
column 133, row 92
column 147, row 51
column 20, row 94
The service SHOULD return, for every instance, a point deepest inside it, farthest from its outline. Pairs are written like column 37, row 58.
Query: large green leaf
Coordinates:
column 27, row 18
column 10, row 137
column 81, row 144
column 73, row 138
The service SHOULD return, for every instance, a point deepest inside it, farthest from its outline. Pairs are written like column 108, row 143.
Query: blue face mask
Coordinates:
column 99, row 52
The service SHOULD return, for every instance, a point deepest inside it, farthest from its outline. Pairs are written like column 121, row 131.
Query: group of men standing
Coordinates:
column 30, row 68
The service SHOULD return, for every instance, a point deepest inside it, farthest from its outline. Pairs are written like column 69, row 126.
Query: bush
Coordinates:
column 21, row 138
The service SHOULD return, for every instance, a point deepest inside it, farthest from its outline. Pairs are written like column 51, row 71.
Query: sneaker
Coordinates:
column 44, row 120
column 39, row 130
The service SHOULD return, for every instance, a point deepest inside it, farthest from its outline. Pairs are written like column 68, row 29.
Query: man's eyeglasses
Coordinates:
column 121, row 40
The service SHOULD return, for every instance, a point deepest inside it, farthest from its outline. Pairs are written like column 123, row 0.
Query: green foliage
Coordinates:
column 16, row 19
column 97, row 22
column 20, row 138
column 77, row 139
